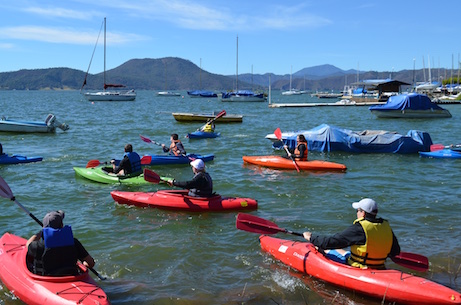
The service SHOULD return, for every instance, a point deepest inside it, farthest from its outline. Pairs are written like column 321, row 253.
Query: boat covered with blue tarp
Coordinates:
column 326, row 138
column 201, row 93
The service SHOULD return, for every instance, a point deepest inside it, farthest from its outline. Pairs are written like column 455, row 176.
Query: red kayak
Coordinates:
column 36, row 289
column 279, row 162
column 179, row 200
column 389, row 285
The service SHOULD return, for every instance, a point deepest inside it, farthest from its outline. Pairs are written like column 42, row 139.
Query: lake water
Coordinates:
column 153, row 256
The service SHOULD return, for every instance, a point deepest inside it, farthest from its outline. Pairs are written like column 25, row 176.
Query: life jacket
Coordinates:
column 377, row 247
column 59, row 256
column 135, row 162
column 207, row 191
column 174, row 149
column 208, row 128
column 298, row 152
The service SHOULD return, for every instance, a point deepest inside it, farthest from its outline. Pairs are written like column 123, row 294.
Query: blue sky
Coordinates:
column 273, row 35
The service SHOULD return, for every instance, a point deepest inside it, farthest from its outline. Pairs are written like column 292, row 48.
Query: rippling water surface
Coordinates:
column 152, row 256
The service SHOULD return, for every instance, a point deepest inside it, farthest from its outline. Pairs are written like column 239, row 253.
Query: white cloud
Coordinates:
column 59, row 12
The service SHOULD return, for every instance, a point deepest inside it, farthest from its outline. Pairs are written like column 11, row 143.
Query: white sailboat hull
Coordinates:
column 110, row 96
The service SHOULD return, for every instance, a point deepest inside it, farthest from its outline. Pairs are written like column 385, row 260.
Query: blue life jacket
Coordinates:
column 135, row 162
column 59, row 256
column 58, row 237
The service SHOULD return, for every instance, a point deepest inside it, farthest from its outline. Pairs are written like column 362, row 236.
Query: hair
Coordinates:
column 302, row 138
column 174, row 136
column 128, row 148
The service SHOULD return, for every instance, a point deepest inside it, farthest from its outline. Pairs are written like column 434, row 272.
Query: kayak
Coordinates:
column 16, row 159
column 443, row 153
column 169, row 159
column 389, row 285
column 179, row 200
column 283, row 163
column 36, row 289
column 203, row 135
column 97, row 174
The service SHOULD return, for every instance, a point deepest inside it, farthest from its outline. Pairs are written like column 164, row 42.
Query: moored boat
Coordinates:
column 35, row 289
column 203, row 117
column 170, row 159
column 279, row 162
column 203, row 135
column 202, row 93
column 98, row 174
column 48, row 126
column 16, row 159
column 180, row 200
column 388, row 285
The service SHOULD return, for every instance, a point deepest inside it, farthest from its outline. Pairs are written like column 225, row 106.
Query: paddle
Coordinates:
column 6, row 192
column 152, row 176
column 145, row 160
column 435, row 147
column 278, row 134
column 250, row 223
column 221, row 114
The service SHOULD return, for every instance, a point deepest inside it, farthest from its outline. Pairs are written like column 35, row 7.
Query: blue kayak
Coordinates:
column 16, row 159
column 169, row 159
column 203, row 135
column 441, row 154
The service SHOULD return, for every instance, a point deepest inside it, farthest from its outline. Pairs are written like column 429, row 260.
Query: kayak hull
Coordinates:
column 441, row 154
column 279, row 162
column 203, row 135
column 169, row 159
column 97, row 174
column 17, row 159
column 389, row 285
column 33, row 289
column 179, row 200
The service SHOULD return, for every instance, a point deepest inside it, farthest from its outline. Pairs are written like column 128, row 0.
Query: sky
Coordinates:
column 273, row 36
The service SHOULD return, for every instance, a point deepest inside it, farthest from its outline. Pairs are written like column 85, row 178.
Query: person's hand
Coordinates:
column 170, row 182
column 112, row 161
column 163, row 145
column 307, row 236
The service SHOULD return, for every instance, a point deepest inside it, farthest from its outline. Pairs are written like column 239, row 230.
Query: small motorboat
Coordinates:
column 49, row 125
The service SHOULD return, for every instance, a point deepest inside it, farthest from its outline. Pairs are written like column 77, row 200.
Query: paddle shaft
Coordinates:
column 278, row 134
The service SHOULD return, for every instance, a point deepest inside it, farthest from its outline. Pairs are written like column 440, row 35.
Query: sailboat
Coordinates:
column 291, row 91
column 241, row 95
column 166, row 92
column 427, row 86
column 200, row 92
column 108, row 95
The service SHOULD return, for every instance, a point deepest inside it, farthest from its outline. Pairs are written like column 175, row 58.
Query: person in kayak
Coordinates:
column 54, row 250
column 201, row 184
column 176, row 148
column 1, row 149
column 208, row 127
column 130, row 164
column 371, row 239
column 300, row 151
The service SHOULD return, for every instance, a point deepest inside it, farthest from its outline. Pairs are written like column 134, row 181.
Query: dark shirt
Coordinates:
column 200, row 186
column 353, row 235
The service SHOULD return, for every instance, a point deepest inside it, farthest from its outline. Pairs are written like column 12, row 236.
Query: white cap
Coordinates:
column 198, row 164
column 366, row 204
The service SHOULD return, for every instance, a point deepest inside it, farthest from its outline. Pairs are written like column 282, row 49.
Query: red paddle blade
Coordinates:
column 278, row 133
column 92, row 163
column 412, row 261
column 147, row 140
column 146, row 160
column 151, row 176
column 435, row 147
column 5, row 190
column 250, row 223
column 222, row 113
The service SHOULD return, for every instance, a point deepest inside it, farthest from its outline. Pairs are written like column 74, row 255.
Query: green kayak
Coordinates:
column 97, row 174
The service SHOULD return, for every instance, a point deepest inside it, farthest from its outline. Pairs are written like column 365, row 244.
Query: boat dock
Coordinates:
column 339, row 103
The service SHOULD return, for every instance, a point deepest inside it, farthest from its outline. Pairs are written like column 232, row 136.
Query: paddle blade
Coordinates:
column 412, row 261
column 146, row 160
column 92, row 163
column 221, row 114
column 250, row 223
column 147, row 140
column 5, row 190
column 435, row 147
column 151, row 176
column 278, row 133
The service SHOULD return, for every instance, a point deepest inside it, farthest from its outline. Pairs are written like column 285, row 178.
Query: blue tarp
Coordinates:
column 202, row 93
column 328, row 138
column 242, row 93
column 413, row 101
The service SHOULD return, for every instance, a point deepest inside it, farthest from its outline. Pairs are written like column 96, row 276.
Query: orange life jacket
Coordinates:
column 298, row 152
column 174, row 149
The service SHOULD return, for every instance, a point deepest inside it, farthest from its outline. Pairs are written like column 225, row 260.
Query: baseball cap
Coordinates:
column 367, row 204
column 198, row 164
column 53, row 219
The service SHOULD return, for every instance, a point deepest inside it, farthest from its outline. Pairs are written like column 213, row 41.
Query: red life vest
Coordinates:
column 298, row 152
column 174, row 149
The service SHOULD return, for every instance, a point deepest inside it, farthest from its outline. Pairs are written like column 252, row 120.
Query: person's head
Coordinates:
column 174, row 137
column 54, row 219
column 198, row 165
column 301, row 138
column 128, row 148
column 366, row 206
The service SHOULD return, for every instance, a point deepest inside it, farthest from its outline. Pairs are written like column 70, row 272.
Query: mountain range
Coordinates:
column 171, row 73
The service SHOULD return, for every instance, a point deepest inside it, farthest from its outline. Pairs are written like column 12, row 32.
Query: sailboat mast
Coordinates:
column 237, row 68
column 104, row 53
column 200, row 74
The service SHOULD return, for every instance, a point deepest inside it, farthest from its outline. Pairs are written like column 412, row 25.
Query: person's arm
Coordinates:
column 196, row 182
column 353, row 235
column 181, row 149
column 83, row 255
column 165, row 149
column 35, row 237
column 395, row 250
column 122, row 165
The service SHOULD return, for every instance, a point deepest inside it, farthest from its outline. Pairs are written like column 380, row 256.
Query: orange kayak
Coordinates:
column 283, row 163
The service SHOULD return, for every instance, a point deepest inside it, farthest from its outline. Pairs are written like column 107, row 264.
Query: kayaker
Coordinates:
column 201, row 184
column 129, row 165
column 176, row 148
column 54, row 250
column 371, row 239
column 209, row 126
column 1, row 149
column 300, row 151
